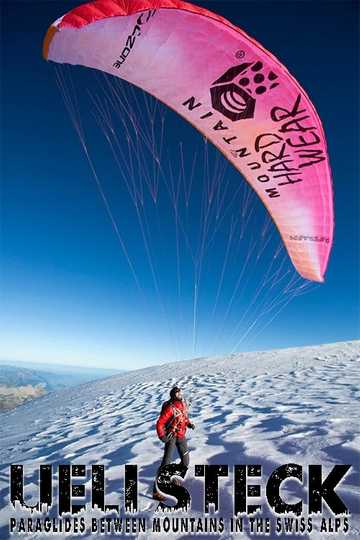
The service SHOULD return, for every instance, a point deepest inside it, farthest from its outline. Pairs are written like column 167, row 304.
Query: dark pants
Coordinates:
column 183, row 450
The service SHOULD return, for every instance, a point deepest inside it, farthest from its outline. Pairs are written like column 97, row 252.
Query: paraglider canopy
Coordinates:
column 237, row 94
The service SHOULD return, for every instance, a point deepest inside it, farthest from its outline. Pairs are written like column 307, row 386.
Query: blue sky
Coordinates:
column 67, row 293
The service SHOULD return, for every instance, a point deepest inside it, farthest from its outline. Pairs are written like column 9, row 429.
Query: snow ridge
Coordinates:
column 296, row 405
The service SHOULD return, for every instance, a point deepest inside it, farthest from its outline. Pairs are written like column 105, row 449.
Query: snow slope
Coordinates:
column 296, row 405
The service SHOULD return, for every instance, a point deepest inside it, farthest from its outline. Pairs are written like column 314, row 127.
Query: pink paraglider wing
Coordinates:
column 232, row 90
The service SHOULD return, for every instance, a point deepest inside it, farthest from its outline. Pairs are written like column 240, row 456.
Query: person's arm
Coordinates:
column 163, row 419
column 190, row 424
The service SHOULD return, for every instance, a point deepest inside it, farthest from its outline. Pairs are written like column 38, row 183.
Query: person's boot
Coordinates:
column 157, row 496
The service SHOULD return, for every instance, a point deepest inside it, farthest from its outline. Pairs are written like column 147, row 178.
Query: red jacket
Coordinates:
column 173, row 419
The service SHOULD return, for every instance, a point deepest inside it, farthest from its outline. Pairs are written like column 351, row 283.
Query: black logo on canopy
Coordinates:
column 235, row 97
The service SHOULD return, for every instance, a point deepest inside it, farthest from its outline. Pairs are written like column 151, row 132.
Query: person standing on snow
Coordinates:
column 171, row 429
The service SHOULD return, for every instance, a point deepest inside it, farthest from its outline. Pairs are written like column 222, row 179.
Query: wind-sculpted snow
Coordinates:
column 296, row 405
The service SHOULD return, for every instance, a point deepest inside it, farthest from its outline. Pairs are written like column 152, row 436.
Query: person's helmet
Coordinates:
column 174, row 391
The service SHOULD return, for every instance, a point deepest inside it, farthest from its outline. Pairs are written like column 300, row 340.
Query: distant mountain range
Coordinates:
column 13, row 376
column 20, row 381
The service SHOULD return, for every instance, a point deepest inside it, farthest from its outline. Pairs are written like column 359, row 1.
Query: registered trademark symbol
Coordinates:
column 240, row 54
